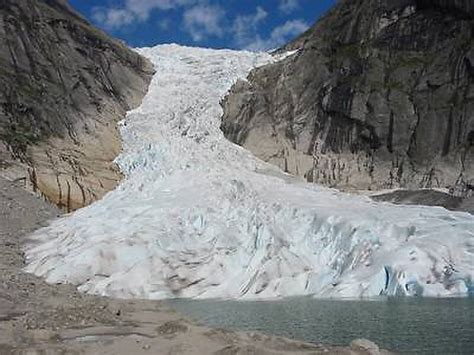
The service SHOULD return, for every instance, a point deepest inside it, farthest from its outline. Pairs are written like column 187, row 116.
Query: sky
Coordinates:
column 237, row 24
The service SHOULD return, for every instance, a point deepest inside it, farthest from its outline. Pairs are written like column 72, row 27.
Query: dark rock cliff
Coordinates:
column 379, row 95
column 63, row 87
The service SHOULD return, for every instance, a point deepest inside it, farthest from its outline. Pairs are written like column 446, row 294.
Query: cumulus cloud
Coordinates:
column 279, row 36
column 112, row 18
column 245, row 27
column 287, row 31
column 202, row 21
column 143, row 8
column 288, row 6
column 133, row 11
column 164, row 24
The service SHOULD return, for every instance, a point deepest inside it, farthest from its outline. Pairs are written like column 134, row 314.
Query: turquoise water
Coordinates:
column 407, row 326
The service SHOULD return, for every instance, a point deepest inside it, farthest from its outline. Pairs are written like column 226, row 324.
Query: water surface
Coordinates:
column 421, row 326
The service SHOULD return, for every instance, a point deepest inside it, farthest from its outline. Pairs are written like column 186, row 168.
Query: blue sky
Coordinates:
column 240, row 24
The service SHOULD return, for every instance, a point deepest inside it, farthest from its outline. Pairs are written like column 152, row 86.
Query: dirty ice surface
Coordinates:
column 197, row 216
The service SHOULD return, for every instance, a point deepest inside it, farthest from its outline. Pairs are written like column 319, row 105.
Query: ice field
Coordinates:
column 199, row 217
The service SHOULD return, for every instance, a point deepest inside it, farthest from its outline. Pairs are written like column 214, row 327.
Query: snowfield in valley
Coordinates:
column 197, row 216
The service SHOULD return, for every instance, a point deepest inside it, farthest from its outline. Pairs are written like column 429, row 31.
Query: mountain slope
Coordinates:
column 63, row 87
column 380, row 95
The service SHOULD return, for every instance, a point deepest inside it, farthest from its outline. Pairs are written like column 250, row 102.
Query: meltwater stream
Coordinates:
column 199, row 217
column 404, row 325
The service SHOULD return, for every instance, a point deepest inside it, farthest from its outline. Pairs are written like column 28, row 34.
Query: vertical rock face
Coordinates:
column 379, row 95
column 64, row 85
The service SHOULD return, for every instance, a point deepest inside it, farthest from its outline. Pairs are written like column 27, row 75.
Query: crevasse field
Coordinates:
column 199, row 217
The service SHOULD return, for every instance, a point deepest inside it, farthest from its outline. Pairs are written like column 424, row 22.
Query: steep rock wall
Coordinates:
column 379, row 95
column 63, row 87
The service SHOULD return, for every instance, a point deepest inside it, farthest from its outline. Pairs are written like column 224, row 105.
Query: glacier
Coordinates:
column 199, row 217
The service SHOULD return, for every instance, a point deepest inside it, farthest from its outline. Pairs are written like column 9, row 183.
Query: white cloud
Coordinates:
column 279, row 36
column 112, row 18
column 246, row 26
column 202, row 21
column 134, row 11
column 287, row 30
column 288, row 6
column 164, row 25
column 142, row 8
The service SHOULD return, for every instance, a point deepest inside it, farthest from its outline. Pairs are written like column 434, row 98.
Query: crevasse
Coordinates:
column 197, row 216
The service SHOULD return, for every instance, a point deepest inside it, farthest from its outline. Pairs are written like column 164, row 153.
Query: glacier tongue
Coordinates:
column 197, row 216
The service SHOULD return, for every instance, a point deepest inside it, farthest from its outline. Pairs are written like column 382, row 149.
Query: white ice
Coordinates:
column 197, row 216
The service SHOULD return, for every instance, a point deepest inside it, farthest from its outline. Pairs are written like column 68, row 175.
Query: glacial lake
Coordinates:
column 404, row 325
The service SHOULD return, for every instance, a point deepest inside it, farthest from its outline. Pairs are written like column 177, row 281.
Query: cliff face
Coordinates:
column 379, row 95
column 63, row 87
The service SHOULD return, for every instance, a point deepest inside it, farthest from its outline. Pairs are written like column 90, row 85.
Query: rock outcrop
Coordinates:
column 379, row 95
column 64, row 85
column 428, row 198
